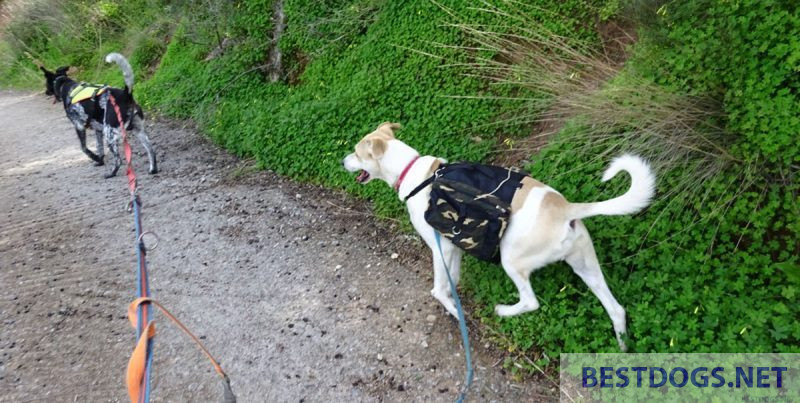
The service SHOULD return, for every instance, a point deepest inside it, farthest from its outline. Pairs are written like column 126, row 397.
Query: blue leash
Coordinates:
column 142, row 290
column 462, row 324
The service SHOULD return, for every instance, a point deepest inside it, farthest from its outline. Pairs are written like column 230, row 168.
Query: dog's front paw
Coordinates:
column 108, row 176
column 99, row 163
column 446, row 301
column 153, row 171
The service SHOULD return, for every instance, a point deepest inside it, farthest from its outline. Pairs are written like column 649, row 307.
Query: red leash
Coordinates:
column 126, row 147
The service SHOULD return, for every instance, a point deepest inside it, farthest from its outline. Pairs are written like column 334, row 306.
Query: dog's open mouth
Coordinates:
column 362, row 177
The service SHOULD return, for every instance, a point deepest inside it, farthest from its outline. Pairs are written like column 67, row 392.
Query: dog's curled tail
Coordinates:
column 127, row 71
column 639, row 195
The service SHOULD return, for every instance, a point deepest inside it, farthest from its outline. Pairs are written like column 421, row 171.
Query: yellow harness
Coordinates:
column 85, row 91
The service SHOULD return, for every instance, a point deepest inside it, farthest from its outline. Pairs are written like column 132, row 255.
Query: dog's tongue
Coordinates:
column 362, row 176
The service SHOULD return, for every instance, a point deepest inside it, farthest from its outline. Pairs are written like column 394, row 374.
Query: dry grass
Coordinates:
column 616, row 109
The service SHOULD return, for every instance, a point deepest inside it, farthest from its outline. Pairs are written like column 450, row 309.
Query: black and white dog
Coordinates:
column 98, row 113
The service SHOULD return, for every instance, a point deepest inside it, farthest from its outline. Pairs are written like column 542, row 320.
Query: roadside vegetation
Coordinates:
column 706, row 90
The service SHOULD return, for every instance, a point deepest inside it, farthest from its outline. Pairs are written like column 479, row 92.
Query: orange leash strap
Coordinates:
column 138, row 362
column 136, row 365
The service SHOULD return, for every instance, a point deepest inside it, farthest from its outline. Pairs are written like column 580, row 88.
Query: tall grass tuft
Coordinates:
column 611, row 107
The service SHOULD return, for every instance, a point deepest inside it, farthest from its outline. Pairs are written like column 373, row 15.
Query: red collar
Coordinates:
column 403, row 174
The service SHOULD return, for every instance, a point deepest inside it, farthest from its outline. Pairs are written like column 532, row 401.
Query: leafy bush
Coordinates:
column 748, row 53
column 80, row 33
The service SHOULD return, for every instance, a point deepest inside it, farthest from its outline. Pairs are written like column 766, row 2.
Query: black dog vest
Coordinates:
column 470, row 205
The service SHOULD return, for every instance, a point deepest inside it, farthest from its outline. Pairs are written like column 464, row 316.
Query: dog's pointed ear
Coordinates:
column 377, row 147
column 389, row 128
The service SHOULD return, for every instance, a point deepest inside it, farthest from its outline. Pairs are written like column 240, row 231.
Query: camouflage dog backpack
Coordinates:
column 470, row 205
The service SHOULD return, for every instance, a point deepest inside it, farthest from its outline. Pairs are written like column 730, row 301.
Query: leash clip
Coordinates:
column 140, row 241
column 129, row 204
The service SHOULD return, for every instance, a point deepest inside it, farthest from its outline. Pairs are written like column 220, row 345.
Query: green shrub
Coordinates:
column 148, row 52
column 79, row 34
column 747, row 52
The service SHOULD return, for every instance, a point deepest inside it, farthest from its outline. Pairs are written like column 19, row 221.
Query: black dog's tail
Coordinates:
column 127, row 71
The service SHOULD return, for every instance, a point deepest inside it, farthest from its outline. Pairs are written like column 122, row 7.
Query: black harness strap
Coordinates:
column 96, row 90
column 422, row 185
column 57, row 87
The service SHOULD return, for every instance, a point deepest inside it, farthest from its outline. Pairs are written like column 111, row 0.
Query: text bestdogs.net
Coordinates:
column 96, row 112
column 543, row 228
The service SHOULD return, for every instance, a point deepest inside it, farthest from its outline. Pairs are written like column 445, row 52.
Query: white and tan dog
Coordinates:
column 544, row 227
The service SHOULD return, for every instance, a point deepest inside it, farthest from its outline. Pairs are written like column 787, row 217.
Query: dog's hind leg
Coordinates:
column 82, row 138
column 516, row 270
column 99, row 144
column 138, row 124
column 583, row 260
column 111, row 138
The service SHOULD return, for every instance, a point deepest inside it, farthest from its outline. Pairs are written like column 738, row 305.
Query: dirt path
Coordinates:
column 291, row 286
